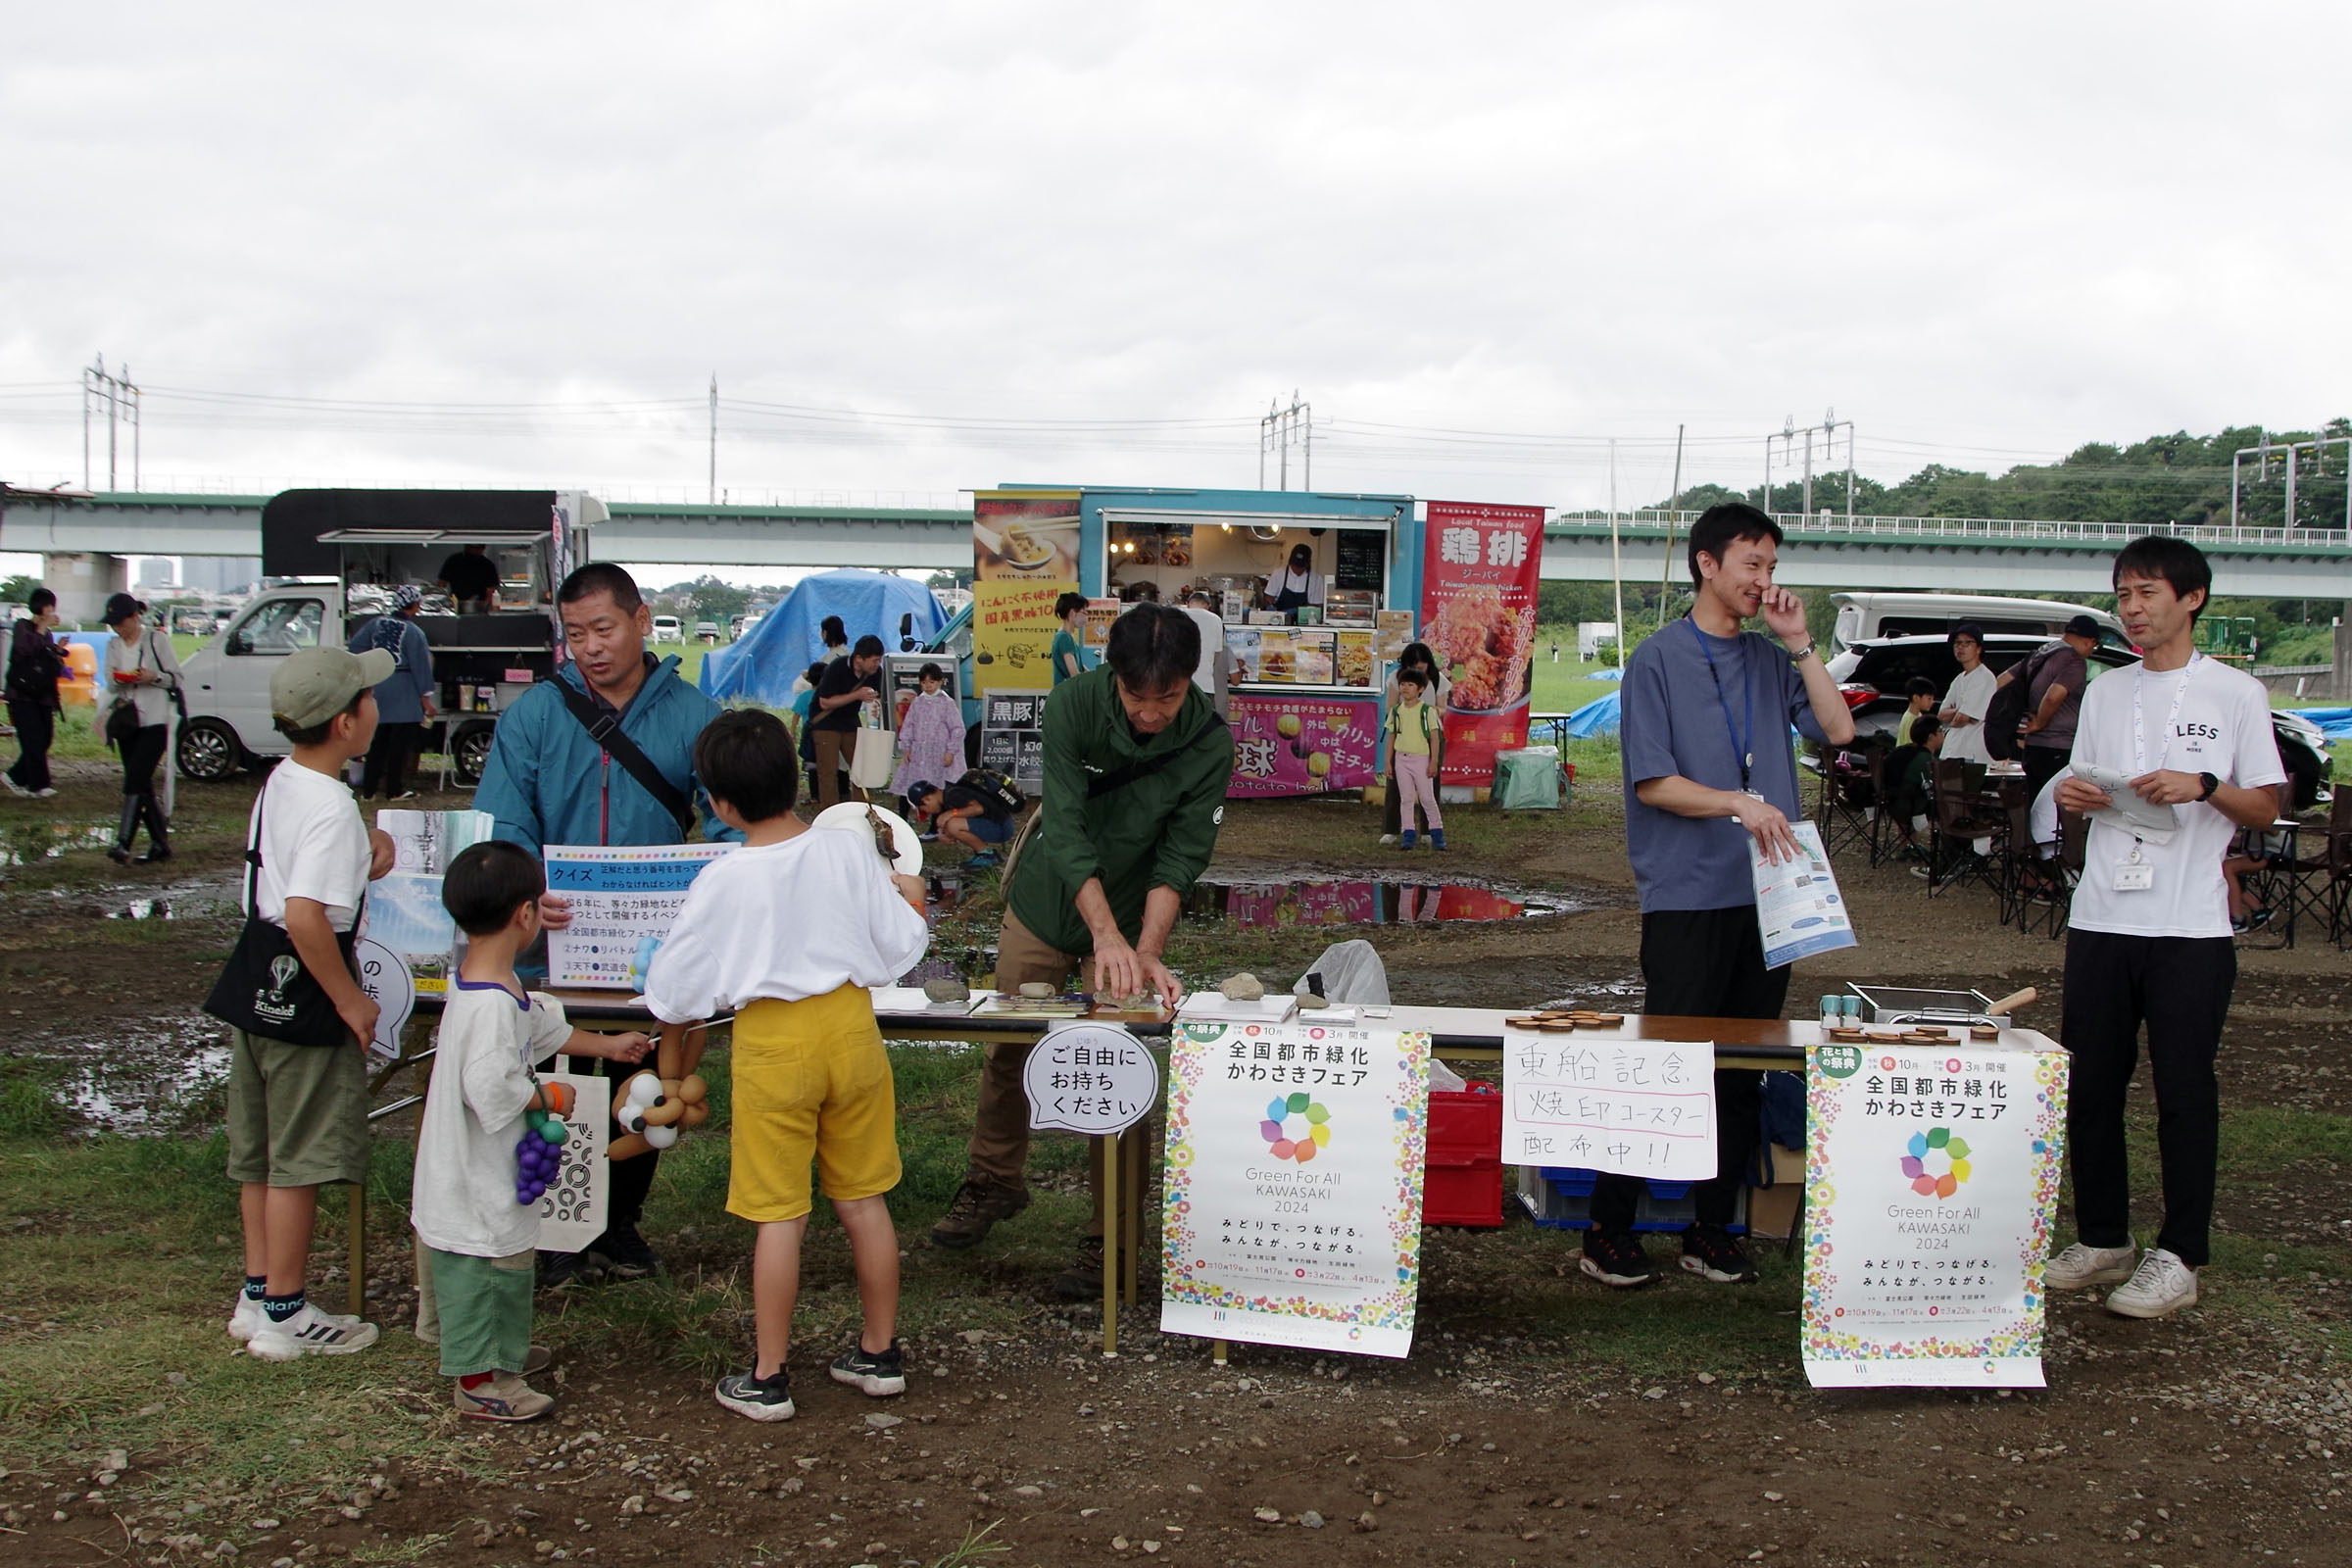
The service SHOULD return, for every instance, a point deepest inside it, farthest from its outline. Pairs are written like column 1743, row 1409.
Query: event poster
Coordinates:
column 1295, row 1163
column 403, row 905
column 624, row 897
column 1799, row 911
column 1932, row 1176
column 1596, row 1102
column 1302, row 744
column 1478, row 616
column 1024, row 556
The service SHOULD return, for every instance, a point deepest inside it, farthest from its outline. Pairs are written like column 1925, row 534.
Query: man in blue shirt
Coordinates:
column 549, row 781
column 404, row 704
column 1710, row 778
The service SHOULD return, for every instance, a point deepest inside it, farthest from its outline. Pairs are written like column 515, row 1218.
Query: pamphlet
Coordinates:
column 624, row 898
column 1798, row 904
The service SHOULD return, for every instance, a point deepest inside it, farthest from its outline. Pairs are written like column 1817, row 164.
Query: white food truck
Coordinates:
column 325, row 550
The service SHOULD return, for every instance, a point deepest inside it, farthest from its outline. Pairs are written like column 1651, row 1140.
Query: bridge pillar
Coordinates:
column 82, row 580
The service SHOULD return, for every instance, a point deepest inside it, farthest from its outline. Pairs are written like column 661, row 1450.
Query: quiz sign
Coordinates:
column 1932, row 1174
column 1295, row 1163
column 624, row 898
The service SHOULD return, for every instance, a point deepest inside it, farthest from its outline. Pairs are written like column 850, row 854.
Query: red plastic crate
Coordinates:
column 1463, row 1183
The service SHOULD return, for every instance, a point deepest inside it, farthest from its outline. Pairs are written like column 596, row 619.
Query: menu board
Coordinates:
column 1012, row 736
column 1299, row 656
column 1363, row 560
column 1351, row 659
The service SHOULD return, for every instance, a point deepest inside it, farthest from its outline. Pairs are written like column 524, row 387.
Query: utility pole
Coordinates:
column 122, row 402
column 714, row 438
column 1616, row 556
column 1278, row 433
column 1674, row 513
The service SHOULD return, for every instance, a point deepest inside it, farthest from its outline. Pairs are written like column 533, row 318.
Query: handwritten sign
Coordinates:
column 624, row 898
column 1090, row 1078
column 1596, row 1101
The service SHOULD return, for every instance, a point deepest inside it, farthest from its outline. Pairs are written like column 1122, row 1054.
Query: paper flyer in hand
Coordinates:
column 1797, row 902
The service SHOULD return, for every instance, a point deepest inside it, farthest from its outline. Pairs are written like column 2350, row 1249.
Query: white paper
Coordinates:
column 624, row 898
column 1596, row 1102
column 2131, row 813
column 384, row 978
column 1798, row 907
column 571, row 1211
column 1273, row 1008
column 912, row 999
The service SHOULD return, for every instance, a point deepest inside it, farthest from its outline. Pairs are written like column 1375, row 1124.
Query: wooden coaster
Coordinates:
column 1985, row 1031
column 1883, row 1036
column 1930, row 1031
column 1851, row 1037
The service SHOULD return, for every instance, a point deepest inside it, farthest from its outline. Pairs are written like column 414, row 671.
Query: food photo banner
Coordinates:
column 1931, row 1177
column 1478, row 614
column 1295, row 1164
column 1300, row 745
column 1024, row 556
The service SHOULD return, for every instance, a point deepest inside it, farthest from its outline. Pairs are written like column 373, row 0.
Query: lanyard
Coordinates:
column 1742, row 736
column 2140, row 740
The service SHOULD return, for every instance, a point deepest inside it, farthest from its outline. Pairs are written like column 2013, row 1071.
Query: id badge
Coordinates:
column 2133, row 874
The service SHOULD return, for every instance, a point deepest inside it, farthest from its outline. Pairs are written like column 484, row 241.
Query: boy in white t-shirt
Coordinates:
column 465, row 1201
column 2150, row 938
column 298, row 1114
column 787, row 933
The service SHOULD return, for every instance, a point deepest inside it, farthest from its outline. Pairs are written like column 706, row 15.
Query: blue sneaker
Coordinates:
column 981, row 861
column 1406, row 838
column 1437, row 838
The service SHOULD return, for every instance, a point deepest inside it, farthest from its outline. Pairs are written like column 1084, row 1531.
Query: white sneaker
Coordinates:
column 2081, row 1266
column 310, row 1332
column 13, row 788
column 1388, row 838
column 247, row 1320
column 2162, row 1285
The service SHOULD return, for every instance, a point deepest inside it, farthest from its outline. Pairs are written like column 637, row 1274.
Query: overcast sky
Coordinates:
column 510, row 245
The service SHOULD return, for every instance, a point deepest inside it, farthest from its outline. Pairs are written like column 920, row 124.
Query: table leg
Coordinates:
column 359, row 1248
column 1110, row 1249
column 1131, row 1217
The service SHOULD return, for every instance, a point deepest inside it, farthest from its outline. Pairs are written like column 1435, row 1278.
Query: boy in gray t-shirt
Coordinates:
column 1708, row 773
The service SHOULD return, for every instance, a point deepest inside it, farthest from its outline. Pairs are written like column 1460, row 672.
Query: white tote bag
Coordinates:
column 876, row 757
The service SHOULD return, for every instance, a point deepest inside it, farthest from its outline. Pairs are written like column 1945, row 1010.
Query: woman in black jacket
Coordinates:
column 35, row 664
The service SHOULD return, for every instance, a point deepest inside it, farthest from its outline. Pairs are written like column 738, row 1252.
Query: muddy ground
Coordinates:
column 2215, row 1437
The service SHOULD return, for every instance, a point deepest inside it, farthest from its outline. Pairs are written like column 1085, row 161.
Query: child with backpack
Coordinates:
column 1417, row 752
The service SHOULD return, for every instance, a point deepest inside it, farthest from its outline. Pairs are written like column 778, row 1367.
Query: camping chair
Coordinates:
column 2307, row 874
column 1960, row 819
column 2037, row 888
column 1852, row 809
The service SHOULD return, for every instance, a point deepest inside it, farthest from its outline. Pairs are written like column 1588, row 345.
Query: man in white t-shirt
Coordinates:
column 1209, row 674
column 1968, row 698
column 2149, row 938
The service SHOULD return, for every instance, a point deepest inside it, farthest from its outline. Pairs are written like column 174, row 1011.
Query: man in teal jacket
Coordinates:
column 549, row 781
column 1137, row 761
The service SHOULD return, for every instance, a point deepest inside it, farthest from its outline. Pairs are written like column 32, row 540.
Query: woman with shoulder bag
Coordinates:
column 35, row 664
column 144, row 675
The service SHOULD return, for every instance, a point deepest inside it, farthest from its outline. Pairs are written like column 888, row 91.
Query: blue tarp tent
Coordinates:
column 762, row 666
column 2336, row 721
column 1596, row 717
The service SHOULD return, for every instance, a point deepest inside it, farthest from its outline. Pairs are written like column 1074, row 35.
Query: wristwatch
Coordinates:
column 2211, row 784
column 1800, row 654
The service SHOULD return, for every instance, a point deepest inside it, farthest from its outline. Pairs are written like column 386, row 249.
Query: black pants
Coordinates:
column 37, row 728
column 1706, row 963
column 2043, row 764
column 2179, row 987
column 387, row 764
column 139, row 755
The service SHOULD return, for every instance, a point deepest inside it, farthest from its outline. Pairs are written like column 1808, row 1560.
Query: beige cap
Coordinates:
column 315, row 684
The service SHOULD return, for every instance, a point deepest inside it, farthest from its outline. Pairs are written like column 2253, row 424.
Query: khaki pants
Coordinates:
column 999, row 1146
column 834, row 747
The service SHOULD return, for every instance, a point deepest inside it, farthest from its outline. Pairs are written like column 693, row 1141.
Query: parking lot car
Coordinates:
column 668, row 630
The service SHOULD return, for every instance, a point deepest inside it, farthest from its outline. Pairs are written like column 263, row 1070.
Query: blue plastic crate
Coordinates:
column 1560, row 1199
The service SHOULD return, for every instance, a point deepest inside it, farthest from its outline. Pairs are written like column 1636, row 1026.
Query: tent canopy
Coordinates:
column 762, row 668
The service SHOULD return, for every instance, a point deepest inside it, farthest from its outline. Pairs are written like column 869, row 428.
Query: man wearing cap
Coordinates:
column 296, row 1113
column 404, row 704
column 564, row 769
column 2057, row 673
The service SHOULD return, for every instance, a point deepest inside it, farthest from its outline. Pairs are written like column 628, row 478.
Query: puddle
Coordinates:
column 1338, row 900
column 31, row 842
column 142, row 910
column 143, row 1080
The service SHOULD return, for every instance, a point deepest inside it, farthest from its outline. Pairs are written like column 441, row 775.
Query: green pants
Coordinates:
column 485, row 1310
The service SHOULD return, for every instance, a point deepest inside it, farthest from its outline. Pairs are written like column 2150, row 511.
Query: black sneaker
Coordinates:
column 1617, row 1260
column 1713, row 1252
column 1082, row 1281
column 564, row 1271
column 977, row 1207
column 879, row 1373
column 625, row 1252
column 759, row 1399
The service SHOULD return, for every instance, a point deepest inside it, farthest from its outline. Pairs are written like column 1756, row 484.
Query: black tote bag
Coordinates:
column 264, row 989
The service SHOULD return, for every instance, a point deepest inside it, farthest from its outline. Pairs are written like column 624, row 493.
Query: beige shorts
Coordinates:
column 297, row 1115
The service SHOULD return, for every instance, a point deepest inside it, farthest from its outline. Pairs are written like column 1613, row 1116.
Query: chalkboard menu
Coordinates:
column 1013, row 738
column 1363, row 556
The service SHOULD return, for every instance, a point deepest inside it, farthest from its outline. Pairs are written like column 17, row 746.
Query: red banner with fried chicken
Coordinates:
column 1478, row 616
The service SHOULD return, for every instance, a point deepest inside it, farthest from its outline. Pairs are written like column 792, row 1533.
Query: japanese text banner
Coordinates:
column 1478, row 614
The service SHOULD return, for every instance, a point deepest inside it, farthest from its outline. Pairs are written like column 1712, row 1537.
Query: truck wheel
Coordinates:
column 209, row 750
column 469, row 751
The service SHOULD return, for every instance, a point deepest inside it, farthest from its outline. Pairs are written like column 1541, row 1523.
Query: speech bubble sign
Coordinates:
column 1092, row 1078
column 384, row 976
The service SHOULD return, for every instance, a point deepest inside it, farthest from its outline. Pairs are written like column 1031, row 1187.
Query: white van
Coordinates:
column 668, row 630
column 1870, row 617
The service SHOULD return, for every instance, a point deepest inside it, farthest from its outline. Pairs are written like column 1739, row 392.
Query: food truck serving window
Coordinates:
column 1301, row 594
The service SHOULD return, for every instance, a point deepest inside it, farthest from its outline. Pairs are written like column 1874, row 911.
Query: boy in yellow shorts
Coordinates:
column 786, row 933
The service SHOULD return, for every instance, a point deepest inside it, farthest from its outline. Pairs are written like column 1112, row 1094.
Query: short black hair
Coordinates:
column 1724, row 525
column 2178, row 562
column 1919, row 686
column 487, row 883
column 832, row 630
column 1066, row 604
column 316, row 734
column 868, row 646
column 1415, row 676
column 39, row 599
column 1153, row 647
column 930, row 673
column 1967, row 629
column 746, row 757
column 602, row 577
column 815, row 672
column 1923, row 729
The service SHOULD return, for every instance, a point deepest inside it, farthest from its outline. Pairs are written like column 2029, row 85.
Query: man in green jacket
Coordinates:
column 1137, row 761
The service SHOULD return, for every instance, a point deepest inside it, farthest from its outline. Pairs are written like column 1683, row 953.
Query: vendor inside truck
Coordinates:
column 471, row 578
